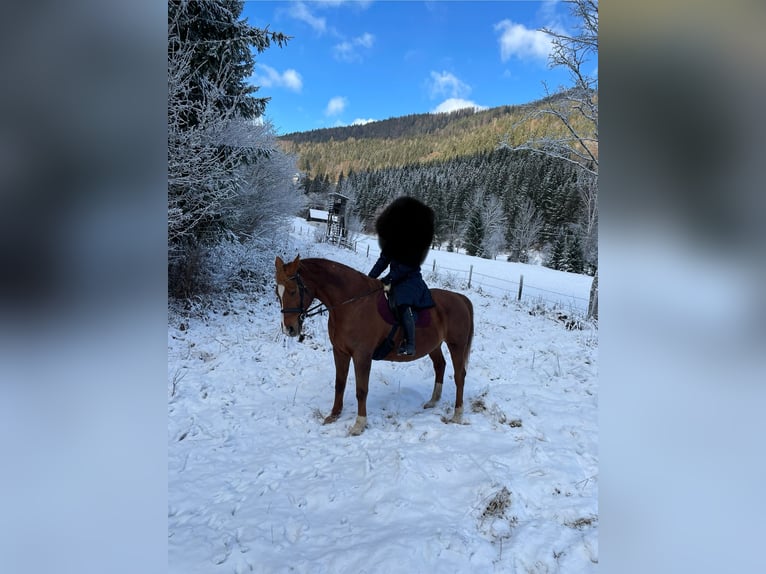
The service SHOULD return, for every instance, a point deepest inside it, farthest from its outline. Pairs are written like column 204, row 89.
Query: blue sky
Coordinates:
column 358, row 61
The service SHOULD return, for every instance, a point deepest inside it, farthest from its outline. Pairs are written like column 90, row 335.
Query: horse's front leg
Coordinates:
column 362, row 366
column 437, row 357
column 342, row 362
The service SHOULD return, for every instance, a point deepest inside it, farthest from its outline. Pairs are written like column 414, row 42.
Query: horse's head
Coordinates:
column 293, row 295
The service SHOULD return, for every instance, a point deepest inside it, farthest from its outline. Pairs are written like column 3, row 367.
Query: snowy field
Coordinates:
column 257, row 484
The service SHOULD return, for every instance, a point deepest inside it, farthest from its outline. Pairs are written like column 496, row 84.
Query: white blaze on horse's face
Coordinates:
column 291, row 322
column 281, row 295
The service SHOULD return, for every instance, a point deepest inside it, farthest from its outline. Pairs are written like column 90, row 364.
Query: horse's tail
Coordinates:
column 470, row 331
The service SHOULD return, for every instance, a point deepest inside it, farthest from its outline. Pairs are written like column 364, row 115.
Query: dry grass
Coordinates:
column 497, row 505
column 581, row 523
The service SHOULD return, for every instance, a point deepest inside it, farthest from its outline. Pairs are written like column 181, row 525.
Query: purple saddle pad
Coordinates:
column 423, row 316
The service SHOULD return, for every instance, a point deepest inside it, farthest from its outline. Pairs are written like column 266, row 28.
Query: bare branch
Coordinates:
column 576, row 108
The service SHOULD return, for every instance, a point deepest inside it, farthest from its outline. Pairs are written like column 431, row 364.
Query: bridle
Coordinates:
column 304, row 313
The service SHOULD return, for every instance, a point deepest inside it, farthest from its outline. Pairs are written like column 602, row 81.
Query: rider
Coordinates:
column 405, row 232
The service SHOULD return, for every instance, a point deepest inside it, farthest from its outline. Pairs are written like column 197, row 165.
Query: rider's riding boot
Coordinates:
column 408, row 324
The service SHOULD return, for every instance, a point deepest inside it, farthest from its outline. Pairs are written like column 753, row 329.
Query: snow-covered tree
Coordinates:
column 494, row 226
column 227, row 179
column 473, row 236
column 587, row 224
column 525, row 230
column 484, row 233
column 221, row 53
column 557, row 257
column 574, row 261
column 266, row 191
column 574, row 106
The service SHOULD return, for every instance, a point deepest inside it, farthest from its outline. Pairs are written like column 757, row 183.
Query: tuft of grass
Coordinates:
column 497, row 505
column 581, row 523
column 477, row 404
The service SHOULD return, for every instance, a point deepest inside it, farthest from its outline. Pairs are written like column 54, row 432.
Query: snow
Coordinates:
column 257, row 484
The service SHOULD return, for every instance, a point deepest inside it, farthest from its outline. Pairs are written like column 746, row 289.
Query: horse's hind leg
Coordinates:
column 342, row 363
column 459, row 354
column 439, row 365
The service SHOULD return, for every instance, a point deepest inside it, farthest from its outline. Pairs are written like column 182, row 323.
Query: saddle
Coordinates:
column 389, row 313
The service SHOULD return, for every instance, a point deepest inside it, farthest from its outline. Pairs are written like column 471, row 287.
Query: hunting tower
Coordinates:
column 336, row 219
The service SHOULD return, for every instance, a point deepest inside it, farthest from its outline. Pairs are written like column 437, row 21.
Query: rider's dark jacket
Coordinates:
column 406, row 281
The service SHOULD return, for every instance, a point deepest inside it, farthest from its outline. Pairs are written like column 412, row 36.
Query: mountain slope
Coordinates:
column 417, row 138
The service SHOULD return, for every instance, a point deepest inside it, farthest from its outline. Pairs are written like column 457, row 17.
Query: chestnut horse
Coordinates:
column 356, row 328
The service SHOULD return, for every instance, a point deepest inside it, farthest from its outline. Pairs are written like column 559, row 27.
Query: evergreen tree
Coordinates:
column 575, row 262
column 226, row 176
column 473, row 237
column 557, row 257
column 221, row 58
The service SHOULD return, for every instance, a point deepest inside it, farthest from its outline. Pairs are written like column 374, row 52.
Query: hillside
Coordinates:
column 416, row 138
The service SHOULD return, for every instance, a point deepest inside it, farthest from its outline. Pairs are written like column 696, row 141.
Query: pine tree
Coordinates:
column 221, row 53
column 575, row 262
column 473, row 237
column 557, row 257
column 216, row 155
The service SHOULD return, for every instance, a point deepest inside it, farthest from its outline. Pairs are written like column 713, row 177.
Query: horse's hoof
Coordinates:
column 457, row 418
column 358, row 427
column 330, row 419
column 435, row 397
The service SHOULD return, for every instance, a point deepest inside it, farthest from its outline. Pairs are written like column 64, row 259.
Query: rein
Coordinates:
column 317, row 309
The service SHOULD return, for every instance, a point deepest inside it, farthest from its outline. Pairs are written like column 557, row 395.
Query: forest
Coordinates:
column 425, row 137
column 505, row 200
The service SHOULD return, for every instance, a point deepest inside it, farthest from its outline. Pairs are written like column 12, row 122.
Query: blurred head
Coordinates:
column 405, row 230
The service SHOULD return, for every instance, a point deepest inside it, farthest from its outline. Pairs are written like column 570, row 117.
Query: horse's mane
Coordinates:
column 334, row 271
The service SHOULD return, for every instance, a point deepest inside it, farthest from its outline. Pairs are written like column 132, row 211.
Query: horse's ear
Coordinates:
column 279, row 263
column 297, row 259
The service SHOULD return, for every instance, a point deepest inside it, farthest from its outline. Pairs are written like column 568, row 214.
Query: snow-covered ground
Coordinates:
column 257, row 484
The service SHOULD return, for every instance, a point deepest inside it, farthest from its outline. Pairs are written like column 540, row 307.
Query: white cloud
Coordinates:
column 447, row 84
column 453, row 104
column 268, row 77
column 361, row 122
column 348, row 51
column 345, row 52
column 300, row 11
column 336, row 106
column 292, row 80
column 366, row 40
column 518, row 40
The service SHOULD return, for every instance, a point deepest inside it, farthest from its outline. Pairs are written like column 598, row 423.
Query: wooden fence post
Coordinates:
column 433, row 269
column 521, row 286
column 368, row 250
column 470, row 274
column 593, row 299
